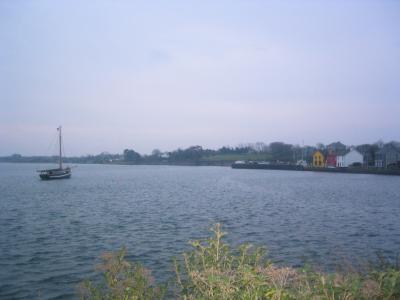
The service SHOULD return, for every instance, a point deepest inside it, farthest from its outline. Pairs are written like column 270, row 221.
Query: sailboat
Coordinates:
column 60, row 172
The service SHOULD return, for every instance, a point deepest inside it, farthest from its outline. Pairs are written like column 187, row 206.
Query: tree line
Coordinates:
column 274, row 152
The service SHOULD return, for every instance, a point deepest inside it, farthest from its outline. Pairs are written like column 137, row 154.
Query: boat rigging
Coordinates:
column 60, row 172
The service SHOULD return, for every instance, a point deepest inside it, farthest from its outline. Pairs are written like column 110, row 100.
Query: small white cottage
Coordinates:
column 350, row 158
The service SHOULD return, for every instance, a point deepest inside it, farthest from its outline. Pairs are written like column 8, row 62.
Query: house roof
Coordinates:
column 343, row 153
column 320, row 151
column 337, row 148
column 336, row 145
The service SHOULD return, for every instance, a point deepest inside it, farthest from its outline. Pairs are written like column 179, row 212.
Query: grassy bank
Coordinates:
column 212, row 270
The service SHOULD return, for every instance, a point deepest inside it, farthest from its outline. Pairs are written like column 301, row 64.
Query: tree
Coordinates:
column 260, row 147
column 156, row 153
column 131, row 156
column 281, row 151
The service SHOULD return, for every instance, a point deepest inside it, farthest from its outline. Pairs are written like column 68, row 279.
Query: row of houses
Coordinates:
column 338, row 155
column 332, row 160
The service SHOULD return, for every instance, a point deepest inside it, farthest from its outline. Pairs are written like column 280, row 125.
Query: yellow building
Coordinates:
column 318, row 160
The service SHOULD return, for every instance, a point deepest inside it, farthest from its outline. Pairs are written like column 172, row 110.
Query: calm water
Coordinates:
column 51, row 233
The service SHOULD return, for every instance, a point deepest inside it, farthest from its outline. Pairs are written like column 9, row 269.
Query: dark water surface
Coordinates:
column 52, row 233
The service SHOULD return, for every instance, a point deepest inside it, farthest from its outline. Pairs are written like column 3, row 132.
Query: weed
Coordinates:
column 212, row 270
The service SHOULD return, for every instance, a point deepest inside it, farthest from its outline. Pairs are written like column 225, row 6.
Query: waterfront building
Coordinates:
column 336, row 151
column 340, row 161
column 331, row 159
column 349, row 159
column 318, row 159
column 387, row 156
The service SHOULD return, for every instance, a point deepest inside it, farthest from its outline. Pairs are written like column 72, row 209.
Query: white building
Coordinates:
column 340, row 161
column 349, row 159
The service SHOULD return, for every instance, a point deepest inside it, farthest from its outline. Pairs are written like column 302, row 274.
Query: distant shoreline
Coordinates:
column 354, row 170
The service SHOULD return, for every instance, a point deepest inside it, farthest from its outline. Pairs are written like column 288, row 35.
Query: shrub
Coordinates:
column 212, row 270
column 121, row 281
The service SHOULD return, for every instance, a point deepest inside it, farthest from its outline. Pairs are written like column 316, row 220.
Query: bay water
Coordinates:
column 53, row 232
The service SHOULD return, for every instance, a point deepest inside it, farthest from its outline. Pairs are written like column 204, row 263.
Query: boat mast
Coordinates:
column 59, row 134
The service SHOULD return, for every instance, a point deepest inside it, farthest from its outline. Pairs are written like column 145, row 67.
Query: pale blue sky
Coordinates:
column 167, row 74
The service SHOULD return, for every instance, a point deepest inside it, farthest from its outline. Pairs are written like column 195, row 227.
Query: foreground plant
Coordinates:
column 212, row 270
column 121, row 281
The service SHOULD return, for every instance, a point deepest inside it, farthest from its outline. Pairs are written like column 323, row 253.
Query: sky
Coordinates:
column 167, row 74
